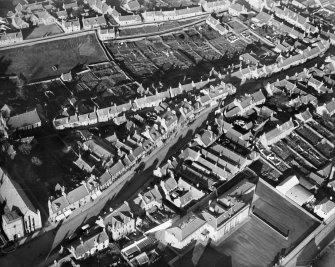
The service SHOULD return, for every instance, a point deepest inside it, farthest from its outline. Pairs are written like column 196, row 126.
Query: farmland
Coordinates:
column 50, row 59
column 191, row 52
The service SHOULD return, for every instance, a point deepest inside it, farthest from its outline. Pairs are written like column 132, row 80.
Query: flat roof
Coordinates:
column 257, row 244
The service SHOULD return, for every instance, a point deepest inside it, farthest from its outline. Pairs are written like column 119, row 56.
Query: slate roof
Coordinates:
column 24, row 119
column 330, row 106
column 59, row 204
column 118, row 217
column 14, row 194
column 186, row 226
column 104, row 178
column 152, row 195
column 326, row 205
column 287, row 126
column 133, row 5
column 236, row 7
column 116, row 168
column 299, row 194
column 77, row 194
column 316, row 179
column 170, row 184
column 89, row 241
column 135, row 18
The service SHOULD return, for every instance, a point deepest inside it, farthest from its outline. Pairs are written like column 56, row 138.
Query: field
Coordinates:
column 41, row 31
column 36, row 62
column 191, row 52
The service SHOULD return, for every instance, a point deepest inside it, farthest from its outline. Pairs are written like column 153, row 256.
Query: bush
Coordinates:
column 25, row 149
column 36, row 161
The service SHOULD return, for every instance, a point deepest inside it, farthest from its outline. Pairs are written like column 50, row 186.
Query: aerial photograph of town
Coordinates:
column 167, row 133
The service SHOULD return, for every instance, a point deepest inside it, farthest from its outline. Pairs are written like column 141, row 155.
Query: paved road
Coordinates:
column 39, row 250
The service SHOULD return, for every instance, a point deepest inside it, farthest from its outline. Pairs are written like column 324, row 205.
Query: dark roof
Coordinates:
column 316, row 179
column 11, row 216
column 14, row 194
column 105, row 178
column 88, row 242
column 24, row 119
column 77, row 194
column 186, row 226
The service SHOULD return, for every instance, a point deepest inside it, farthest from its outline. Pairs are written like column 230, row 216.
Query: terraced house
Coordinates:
column 96, row 240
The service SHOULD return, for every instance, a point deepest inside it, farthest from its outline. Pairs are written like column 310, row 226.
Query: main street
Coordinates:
column 39, row 251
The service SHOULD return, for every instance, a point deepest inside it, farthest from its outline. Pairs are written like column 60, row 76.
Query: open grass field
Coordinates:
column 35, row 61
column 41, row 31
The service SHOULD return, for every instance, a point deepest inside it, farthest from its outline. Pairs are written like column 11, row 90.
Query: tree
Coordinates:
column 25, row 148
column 36, row 161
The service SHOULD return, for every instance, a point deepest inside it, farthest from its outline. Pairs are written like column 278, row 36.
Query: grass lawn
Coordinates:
column 41, row 31
column 35, row 61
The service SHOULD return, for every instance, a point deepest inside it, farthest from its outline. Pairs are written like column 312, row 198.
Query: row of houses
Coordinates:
column 137, row 145
column 279, row 132
column 301, row 189
column 214, row 220
column 129, row 152
column 175, row 14
column 101, row 152
column 294, row 19
column 306, row 86
column 63, row 206
column 254, row 72
column 167, row 15
column 218, row 218
column 210, row 96
column 246, row 103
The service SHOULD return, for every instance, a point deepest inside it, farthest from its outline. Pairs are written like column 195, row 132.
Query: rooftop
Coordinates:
column 255, row 243
column 24, row 119
column 186, row 226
